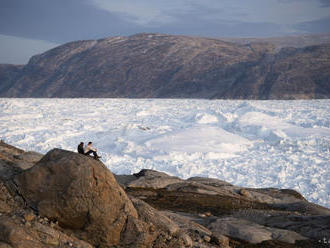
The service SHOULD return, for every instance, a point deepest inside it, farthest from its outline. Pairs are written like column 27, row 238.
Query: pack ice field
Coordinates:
column 281, row 144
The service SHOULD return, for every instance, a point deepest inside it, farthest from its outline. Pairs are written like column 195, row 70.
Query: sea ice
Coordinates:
column 284, row 144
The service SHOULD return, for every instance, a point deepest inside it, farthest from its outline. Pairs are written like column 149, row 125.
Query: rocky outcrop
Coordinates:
column 252, row 232
column 87, row 198
column 169, row 66
column 272, row 217
column 71, row 200
column 17, row 232
column 147, row 179
column 21, row 228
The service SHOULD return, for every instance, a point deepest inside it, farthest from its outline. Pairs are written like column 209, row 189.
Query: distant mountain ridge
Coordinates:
column 296, row 41
column 172, row 66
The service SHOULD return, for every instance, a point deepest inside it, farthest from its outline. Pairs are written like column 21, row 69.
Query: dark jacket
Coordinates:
column 81, row 148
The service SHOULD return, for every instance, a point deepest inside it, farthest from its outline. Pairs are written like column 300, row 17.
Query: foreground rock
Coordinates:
column 79, row 193
column 254, row 216
column 71, row 200
column 21, row 228
column 252, row 232
column 66, row 194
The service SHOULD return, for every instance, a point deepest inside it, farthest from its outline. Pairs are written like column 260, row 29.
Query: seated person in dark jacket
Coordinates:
column 81, row 148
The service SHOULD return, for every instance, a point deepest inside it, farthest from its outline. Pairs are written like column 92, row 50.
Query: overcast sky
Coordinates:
column 28, row 27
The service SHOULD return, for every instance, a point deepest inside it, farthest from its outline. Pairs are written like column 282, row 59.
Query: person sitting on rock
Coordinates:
column 81, row 148
column 90, row 149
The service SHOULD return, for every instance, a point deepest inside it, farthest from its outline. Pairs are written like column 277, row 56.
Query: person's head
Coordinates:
column 90, row 142
column 81, row 143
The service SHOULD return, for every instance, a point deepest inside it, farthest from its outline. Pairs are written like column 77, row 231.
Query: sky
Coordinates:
column 29, row 27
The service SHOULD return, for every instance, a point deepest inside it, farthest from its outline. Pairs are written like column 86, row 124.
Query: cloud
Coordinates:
column 193, row 24
column 325, row 3
column 143, row 12
column 317, row 26
column 150, row 12
column 59, row 21
column 194, row 17
column 17, row 50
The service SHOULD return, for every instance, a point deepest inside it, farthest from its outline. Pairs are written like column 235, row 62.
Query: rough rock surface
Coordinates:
column 13, row 160
column 169, row 66
column 271, row 217
column 251, row 232
column 71, row 200
column 68, row 197
column 17, row 234
column 19, row 226
column 148, row 179
column 87, row 198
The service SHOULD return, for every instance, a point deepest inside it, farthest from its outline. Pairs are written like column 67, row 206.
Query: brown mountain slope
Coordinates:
column 8, row 74
column 167, row 66
column 292, row 73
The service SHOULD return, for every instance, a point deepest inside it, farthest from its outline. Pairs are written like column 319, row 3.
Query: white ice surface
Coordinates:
column 283, row 144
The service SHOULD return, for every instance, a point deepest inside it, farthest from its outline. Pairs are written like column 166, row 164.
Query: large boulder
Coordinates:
column 78, row 192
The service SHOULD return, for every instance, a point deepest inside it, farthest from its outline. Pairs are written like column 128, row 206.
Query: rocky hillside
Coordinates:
column 168, row 66
column 65, row 199
column 8, row 75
